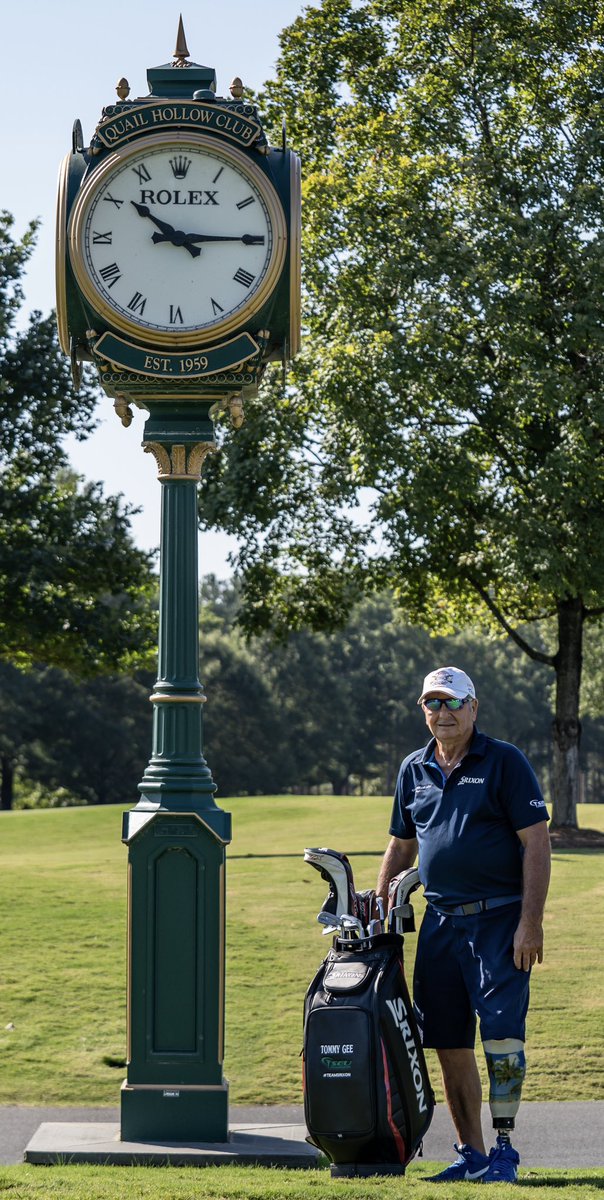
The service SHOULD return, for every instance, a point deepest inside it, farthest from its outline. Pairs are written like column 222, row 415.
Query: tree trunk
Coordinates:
column 339, row 785
column 566, row 728
column 6, row 783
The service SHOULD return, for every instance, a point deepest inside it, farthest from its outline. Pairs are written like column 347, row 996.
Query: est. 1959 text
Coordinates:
column 193, row 364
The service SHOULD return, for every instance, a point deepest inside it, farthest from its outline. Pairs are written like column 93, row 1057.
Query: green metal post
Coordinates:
column 176, row 838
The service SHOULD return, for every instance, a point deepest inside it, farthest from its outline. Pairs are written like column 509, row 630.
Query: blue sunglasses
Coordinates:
column 452, row 704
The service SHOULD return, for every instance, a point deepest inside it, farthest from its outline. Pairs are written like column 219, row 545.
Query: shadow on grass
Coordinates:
column 352, row 854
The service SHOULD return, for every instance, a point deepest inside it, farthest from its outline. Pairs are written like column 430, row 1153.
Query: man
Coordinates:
column 471, row 808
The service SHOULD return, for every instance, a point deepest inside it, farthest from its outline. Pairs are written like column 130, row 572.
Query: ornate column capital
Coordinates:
column 180, row 461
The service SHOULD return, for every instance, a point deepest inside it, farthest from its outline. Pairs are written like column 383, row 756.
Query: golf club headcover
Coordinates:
column 401, row 918
column 365, row 906
column 506, row 1066
column 337, row 871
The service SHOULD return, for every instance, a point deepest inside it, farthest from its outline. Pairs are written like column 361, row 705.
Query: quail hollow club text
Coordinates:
column 153, row 115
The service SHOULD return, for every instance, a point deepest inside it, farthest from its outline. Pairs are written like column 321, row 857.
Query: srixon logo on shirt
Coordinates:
column 397, row 1008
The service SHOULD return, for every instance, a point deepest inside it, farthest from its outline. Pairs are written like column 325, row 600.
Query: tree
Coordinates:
column 91, row 737
column 246, row 738
column 453, row 361
column 16, row 726
column 350, row 697
column 74, row 589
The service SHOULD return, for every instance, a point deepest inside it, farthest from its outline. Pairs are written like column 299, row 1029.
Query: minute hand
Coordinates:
column 248, row 239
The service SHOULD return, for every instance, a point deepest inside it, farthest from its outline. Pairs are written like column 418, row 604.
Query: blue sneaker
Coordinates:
column 471, row 1165
column 503, row 1163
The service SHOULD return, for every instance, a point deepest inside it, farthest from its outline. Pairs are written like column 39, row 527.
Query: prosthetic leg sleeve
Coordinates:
column 506, row 1065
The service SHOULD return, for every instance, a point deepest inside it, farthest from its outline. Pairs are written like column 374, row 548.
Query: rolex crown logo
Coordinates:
column 180, row 166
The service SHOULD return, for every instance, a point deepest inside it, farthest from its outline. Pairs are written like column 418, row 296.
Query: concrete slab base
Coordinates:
column 59, row 1143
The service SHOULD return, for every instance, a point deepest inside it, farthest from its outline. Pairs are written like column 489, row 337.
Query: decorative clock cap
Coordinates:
column 181, row 51
column 180, row 79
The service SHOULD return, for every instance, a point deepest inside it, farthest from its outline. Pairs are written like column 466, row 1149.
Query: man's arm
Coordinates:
column 536, row 864
column 400, row 853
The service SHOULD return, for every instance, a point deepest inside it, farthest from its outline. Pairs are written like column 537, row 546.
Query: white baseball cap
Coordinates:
column 449, row 680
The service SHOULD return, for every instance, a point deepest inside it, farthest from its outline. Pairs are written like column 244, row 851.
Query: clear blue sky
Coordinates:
column 62, row 60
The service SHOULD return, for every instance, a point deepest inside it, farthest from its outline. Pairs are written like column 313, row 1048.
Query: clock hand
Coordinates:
column 248, row 239
column 169, row 233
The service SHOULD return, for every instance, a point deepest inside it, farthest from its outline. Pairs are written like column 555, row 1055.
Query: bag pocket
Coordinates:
column 339, row 1071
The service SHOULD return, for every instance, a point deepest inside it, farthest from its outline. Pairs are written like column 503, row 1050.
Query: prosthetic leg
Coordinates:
column 506, row 1065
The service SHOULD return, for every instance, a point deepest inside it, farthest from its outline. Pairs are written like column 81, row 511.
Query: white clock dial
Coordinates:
column 177, row 238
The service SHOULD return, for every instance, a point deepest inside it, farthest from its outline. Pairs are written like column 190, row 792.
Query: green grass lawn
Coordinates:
column 258, row 1183
column 62, row 962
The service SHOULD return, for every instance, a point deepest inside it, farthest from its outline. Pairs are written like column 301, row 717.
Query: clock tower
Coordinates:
column 178, row 264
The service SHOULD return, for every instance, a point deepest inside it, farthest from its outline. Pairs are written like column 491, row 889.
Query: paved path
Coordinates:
column 548, row 1135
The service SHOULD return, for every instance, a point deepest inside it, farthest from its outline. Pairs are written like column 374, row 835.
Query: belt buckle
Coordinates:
column 472, row 910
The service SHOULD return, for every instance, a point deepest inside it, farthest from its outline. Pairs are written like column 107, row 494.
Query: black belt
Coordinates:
column 476, row 906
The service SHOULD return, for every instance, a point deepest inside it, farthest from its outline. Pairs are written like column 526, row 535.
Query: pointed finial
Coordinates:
column 236, row 88
column 181, row 51
column 122, row 88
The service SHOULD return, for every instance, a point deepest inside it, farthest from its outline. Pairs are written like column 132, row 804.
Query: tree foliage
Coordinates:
column 74, row 589
column 329, row 712
column 453, row 361
column 89, row 738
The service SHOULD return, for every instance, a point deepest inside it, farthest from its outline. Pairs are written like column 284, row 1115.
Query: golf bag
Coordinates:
column 367, row 1096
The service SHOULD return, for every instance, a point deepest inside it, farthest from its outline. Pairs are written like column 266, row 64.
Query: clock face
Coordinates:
column 177, row 238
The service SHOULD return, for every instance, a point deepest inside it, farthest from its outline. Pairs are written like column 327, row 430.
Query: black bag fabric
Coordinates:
column 367, row 1096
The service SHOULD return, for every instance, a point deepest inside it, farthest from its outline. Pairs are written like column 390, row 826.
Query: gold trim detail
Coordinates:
column 198, row 455
column 97, row 180
column 161, row 456
column 179, row 461
column 61, row 257
column 184, row 462
column 168, row 698
column 295, row 256
column 123, row 410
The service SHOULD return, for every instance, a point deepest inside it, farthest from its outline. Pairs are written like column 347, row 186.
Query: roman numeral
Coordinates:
column 243, row 277
column 142, row 173
column 112, row 200
column 175, row 315
column 248, row 200
column 137, row 303
column 110, row 274
column 216, row 307
column 217, row 177
column 101, row 239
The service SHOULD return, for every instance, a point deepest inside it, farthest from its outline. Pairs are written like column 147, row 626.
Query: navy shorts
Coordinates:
column 464, row 969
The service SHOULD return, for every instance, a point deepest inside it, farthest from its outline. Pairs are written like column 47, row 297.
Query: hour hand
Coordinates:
column 168, row 232
column 144, row 211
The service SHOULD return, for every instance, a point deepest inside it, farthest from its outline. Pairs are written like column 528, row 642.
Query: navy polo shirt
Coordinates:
column 466, row 824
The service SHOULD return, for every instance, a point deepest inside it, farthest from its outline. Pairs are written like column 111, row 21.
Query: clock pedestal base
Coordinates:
column 163, row 1114
column 176, row 837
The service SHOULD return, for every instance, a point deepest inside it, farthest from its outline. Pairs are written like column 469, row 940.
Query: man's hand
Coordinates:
column 528, row 939
column 400, row 853
column 528, row 944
